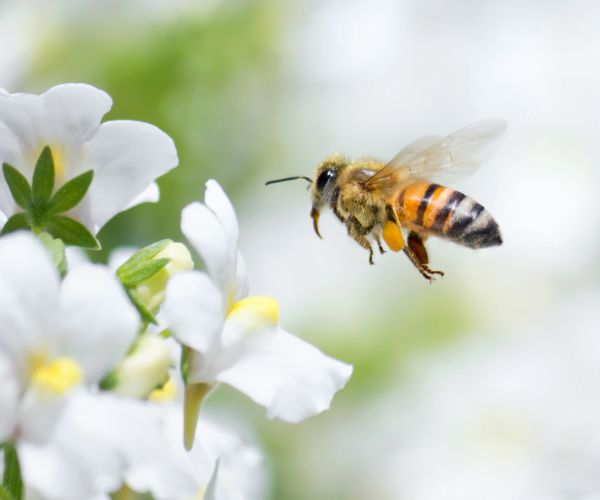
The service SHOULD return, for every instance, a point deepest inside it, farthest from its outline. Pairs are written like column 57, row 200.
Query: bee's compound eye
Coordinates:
column 324, row 178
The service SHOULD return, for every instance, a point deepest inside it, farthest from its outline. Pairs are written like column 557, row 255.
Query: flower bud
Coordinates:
column 143, row 369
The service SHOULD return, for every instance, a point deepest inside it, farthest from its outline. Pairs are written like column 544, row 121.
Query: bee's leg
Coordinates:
column 417, row 253
column 381, row 249
column 358, row 232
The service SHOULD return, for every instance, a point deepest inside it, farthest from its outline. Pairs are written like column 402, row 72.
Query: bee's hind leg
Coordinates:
column 358, row 233
column 417, row 253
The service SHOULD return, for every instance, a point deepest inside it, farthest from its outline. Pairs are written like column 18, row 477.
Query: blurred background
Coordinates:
column 482, row 385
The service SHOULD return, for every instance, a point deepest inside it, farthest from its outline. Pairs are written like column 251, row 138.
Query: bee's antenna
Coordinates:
column 285, row 179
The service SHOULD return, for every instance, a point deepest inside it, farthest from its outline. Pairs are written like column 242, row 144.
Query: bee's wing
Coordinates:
column 454, row 156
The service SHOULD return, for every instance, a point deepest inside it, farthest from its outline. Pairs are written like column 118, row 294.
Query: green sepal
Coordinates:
column 42, row 183
column 11, row 479
column 142, row 272
column 15, row 222
column 142, row 255
column 146, row 315
column 109, row 382
column 71, row 232
column 18, row 185
column 71, row 193
column 56, row 248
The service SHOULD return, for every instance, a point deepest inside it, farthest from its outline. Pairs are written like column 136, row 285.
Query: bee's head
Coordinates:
column 323, row 186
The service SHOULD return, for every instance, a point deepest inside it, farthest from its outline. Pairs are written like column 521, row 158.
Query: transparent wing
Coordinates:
column 455, row 156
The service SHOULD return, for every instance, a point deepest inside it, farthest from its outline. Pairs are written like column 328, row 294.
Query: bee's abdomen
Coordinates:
column 444, row 212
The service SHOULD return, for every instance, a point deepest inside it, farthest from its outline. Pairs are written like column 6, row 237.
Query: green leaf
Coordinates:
column 71, row 193
column 15, row 222
column 56, row 248
column 18, row 185
column 71, row 232
column 146, row 315
column 11, row 479
column 143, row 255
column 142, row 272
column 43, row 178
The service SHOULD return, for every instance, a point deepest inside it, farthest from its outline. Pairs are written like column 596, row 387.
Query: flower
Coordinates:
column 236, row 339
column 126, row 156
column 55, row 335
column 137, row 444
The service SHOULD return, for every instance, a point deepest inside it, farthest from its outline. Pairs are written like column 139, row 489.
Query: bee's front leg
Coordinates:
column 358, row 232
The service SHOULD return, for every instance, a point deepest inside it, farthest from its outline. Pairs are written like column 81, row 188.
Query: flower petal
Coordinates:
column 22, row 126
column 73, row 112
column 150, row 195
column 194, row 310
column 206, row 234
column 127, row 157
column 9, row 391
column 98, row 323
column 212, row 229
column 65, row 467
column 288, row 376
column 28, row 296
column 218, row 202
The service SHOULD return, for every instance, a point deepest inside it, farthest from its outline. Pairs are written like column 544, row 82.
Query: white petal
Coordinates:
column 150, row 195
column 38, row 414
column 242, row 286
column 73, row 112
column 51, row 474
column 9, row 388
column 206, row 234
column 79, row 461
column 194, row 311
column 218, row 202
column 127, row 157
column 22, row 127
column 97, row 321
column 288, row 376
column 28, row 295
column 76, row 256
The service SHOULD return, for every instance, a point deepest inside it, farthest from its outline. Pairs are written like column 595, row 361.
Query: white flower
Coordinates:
column 126, row 156
column 103, row 442
column 55, row 335
column 237, row 339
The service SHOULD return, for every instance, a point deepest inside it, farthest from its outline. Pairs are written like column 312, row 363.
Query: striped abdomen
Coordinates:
column 437, row 210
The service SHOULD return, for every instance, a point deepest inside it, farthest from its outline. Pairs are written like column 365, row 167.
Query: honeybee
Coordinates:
column 377, row 200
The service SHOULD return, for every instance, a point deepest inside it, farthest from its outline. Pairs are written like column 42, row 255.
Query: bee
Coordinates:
column 377, row 200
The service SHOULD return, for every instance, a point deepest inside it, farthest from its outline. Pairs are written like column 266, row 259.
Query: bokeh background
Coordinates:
column 483, row 385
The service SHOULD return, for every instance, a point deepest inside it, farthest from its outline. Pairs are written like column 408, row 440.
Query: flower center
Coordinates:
column 57, row 376
column 256, row 311
column 60, row 169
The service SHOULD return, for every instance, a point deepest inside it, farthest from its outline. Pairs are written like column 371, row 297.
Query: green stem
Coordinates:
column 12, row 481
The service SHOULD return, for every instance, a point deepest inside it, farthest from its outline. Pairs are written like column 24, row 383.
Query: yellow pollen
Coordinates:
column 266, row 308
column 393, row 236
column 166, row 393
column 58, row 376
